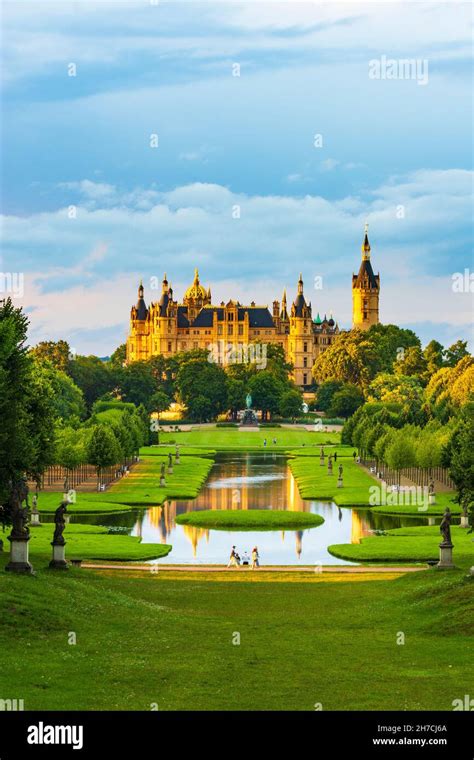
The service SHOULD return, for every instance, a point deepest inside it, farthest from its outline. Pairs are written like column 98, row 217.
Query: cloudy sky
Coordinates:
column 276, row 142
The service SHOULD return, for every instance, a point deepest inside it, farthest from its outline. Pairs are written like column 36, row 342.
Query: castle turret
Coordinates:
column 365, row 291
column 137, row 342
column 301, row 348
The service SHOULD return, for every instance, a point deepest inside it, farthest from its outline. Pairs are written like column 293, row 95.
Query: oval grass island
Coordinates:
column 252, row 519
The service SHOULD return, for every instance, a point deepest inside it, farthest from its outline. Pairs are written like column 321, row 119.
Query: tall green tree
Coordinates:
column 266, row 391
column 26, row 408
column 200, row 379
column 103, row 449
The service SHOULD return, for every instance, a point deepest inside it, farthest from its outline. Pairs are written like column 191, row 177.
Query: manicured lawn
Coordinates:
column 418, row 544
column 232, row 439
column 144, row 640
column 252, row 519
column 140, row 486
column 315, row 483
column 91, row 542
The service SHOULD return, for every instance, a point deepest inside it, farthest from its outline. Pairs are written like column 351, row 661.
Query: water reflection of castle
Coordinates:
column 238, row 490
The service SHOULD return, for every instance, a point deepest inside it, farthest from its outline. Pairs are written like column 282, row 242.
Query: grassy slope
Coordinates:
column 170, row 642
column 91, row 542
column 315, row 483
column 254, row 519
column 140, row 487
column 232, row 439
column 408, row 544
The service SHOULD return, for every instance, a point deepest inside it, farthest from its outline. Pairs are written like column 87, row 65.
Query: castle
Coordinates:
column 168, row 327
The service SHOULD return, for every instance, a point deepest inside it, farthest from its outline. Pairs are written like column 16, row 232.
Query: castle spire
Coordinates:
column 164, row 284
column 366, row 245
column 300, row 284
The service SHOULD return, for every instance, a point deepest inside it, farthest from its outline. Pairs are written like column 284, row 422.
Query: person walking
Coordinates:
column 255, row 558
column 233, row 562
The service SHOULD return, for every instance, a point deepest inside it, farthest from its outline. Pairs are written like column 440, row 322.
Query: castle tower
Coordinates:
column 301, row 339
column 137, row 342
column 365, row 291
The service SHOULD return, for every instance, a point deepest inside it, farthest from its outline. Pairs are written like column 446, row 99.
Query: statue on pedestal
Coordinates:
column 19, row 513
column 60, row 524
column 445, row 528
column 330, row 464
column 162, row 475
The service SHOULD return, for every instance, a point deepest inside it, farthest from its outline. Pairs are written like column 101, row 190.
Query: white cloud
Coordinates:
column 95, row 261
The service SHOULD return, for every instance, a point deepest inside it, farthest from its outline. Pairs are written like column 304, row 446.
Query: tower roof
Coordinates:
column 299, row 303
column 365, row 277
column 196, row 291
column 142, row 311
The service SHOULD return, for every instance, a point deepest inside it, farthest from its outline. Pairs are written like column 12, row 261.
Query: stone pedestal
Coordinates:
column 321, row 461
column 464, row 521
column 162, row 482
column 59, row 560
column 329, row 470
column 19, row 562
column 339, row 483
column 169, row 470
column 445, row 557
column 176, row 459
column 35, row 518
column 431, row 498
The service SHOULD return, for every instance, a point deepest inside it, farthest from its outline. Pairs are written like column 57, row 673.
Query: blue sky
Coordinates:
column 394, row 152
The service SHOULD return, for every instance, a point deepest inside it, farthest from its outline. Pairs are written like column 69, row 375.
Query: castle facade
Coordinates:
column 229, row 330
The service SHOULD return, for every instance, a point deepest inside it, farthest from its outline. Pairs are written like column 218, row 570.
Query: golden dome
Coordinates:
column 196, row 291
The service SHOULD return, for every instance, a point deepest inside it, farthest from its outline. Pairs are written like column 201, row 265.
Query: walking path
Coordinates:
column 333, row 569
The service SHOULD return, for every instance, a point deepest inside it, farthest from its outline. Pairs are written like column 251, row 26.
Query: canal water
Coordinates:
column 255, row 481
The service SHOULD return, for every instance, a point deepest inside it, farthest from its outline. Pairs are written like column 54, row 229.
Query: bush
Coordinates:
column 226, row 424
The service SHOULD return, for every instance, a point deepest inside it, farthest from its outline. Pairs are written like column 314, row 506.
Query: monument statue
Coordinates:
column 162, row 469
column 340, row 470
column 431, row 487
column 248, row 401
column 60, row 524
column 445, row 528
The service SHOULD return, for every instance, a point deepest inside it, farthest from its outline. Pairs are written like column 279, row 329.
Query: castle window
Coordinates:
column 230, row 329
column 365, row 315
column 169, row 345
column 219, row 329
column 230, row 316
column 305, row 346
column 305, row 362
column 195, row 344
column 305, row 379
column 241, row 329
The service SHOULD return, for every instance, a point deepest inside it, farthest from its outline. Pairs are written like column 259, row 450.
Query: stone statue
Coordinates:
column 340, row 471
column 445, row 528
column 431, row 487
column 170, row 459
column 66, row 484
column 60, row 524
column 19, row 513
column 322, row 452
column 162, row 469
column 248, row 401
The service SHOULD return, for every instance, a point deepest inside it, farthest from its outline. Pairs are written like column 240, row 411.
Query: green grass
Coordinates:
column 91, row 542
column 315, row 483
column 252, row 519
column 232, row 439
column 140, row 487
column 143, row 639
column 418, row 544
column 163, row 450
